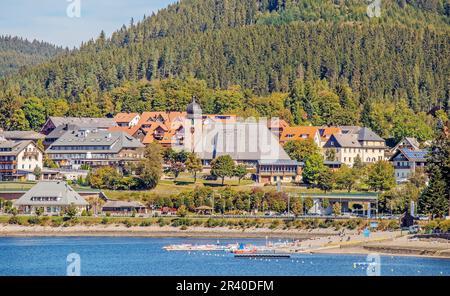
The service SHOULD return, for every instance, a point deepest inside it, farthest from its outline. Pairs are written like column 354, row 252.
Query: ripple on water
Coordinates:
column 145, row 256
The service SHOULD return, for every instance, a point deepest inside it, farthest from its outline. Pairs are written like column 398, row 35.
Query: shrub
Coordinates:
column 14, row 220
column 337, row 224
column 393, row 225
column 181, row 222
column 184, row 227
column 127, row 223
column 33, row 220
column 146, row 223
column 55, row 223
column 444, row 225
column 315, row 223
column 198, row 222
column 274, row 224
column 431, row 226
column 105, row 220
column 322, row 224
column 351, row 224
column 212, row 223
column 307, row 223
column 162, row 222
column 182, row 211
column 108, row 214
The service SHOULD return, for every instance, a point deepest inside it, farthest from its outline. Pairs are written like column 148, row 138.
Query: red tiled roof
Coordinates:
column 125, row 117
column 327, row 132
column 298, row 133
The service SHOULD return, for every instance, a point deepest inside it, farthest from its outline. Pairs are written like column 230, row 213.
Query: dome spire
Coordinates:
column 194, row 110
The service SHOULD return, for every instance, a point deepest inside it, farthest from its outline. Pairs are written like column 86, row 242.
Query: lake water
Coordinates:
column 145, row 256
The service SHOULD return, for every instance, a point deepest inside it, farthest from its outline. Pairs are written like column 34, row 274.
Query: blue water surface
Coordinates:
column 145, row 256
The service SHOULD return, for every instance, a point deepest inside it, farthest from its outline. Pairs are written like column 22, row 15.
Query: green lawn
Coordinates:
column 169, row 187
column 184, row 182
column 21, row 186
column 12, row 186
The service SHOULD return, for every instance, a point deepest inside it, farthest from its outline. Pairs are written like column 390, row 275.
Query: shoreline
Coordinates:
column 316, row 241
column 157, row 231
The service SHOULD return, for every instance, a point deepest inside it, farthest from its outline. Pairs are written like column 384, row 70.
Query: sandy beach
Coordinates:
column 390, row 243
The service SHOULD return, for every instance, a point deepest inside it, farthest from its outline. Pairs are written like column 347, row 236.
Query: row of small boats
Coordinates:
column 231, row 248
column 206, row 247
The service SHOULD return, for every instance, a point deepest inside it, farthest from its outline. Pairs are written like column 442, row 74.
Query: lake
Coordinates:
column 145, row 256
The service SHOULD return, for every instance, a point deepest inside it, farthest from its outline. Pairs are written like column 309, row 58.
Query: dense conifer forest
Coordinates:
column 16, row 52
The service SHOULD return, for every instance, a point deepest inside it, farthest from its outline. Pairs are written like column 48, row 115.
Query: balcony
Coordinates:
column 31, row 153
column 158, row 136
column 402, row 167
column 277, row 173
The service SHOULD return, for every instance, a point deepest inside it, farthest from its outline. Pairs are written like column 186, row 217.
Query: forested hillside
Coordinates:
column 16, row 52
column 325, row 61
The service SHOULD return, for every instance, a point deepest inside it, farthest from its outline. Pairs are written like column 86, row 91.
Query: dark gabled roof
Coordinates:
column 366, row 134
column 84, row 121
column 345, row 140
column 61, row 190
column 415, row 155
column 407, row 141
column 15, row 146
column 412, row 155
column 115, row 140
column 21, row 135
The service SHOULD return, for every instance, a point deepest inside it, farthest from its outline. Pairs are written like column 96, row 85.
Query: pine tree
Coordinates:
column 435, row 200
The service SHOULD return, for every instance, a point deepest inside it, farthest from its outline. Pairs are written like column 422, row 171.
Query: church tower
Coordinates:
column 194, row 127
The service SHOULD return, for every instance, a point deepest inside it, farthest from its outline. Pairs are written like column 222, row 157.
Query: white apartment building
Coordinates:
column 18, row 159
column 363, row 143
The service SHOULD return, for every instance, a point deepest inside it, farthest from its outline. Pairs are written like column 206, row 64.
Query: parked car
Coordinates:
column 388, row 217
column 423, row 217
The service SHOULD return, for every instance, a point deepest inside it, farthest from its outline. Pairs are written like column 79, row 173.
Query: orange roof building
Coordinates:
column 127, row 119
column 299, row 133
column 163, row 127
column 327, row 132
column 277, row 126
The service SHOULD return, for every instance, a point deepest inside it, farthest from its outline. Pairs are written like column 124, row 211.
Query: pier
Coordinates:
column 263, row 256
